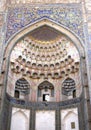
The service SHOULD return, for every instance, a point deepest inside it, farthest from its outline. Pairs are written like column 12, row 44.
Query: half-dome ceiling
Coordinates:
column 45, row 34
column 55, row 59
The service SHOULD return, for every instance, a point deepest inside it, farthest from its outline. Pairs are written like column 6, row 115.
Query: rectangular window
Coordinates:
column 16, row 94
column 73, row 125
column 45, row 97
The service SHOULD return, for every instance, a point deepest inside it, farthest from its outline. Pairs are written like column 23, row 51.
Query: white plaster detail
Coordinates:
column 69, row 116
column 45, row 120
column 20, row 119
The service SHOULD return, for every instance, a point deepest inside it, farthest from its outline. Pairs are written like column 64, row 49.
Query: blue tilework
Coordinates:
column 69, row 16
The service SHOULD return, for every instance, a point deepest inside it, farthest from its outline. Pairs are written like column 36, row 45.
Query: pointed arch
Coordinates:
column 45, row 83
column 70, row 121
column 19, row 121
column 45, row 91
column 68, row 114
column 64, row 30
column 45, row 21
column 20, row 111
column 21, row 86
column 68, row 86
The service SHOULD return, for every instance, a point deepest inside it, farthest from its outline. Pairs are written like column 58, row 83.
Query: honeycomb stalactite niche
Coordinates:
column 35, row 60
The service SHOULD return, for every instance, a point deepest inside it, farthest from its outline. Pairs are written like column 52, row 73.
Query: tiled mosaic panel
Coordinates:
column 67, row 15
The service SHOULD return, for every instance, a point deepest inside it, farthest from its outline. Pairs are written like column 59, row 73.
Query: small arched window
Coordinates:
column 45, row 91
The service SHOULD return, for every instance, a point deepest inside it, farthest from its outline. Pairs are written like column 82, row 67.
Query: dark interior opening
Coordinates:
column 74, row 93
column 44, row 97
column 16, row 94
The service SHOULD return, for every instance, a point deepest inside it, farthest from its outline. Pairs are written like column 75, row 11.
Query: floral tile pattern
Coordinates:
column 68, row 15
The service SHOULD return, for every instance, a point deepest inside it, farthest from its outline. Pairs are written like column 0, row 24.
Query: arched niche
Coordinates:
column 46, row 91
column 22, row 89
column 64, row 30
column 13, row 40
column 19, row 121
column 70, row 121
column 68, row 89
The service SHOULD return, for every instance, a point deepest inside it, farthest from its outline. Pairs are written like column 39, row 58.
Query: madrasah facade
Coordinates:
column 45, row 65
